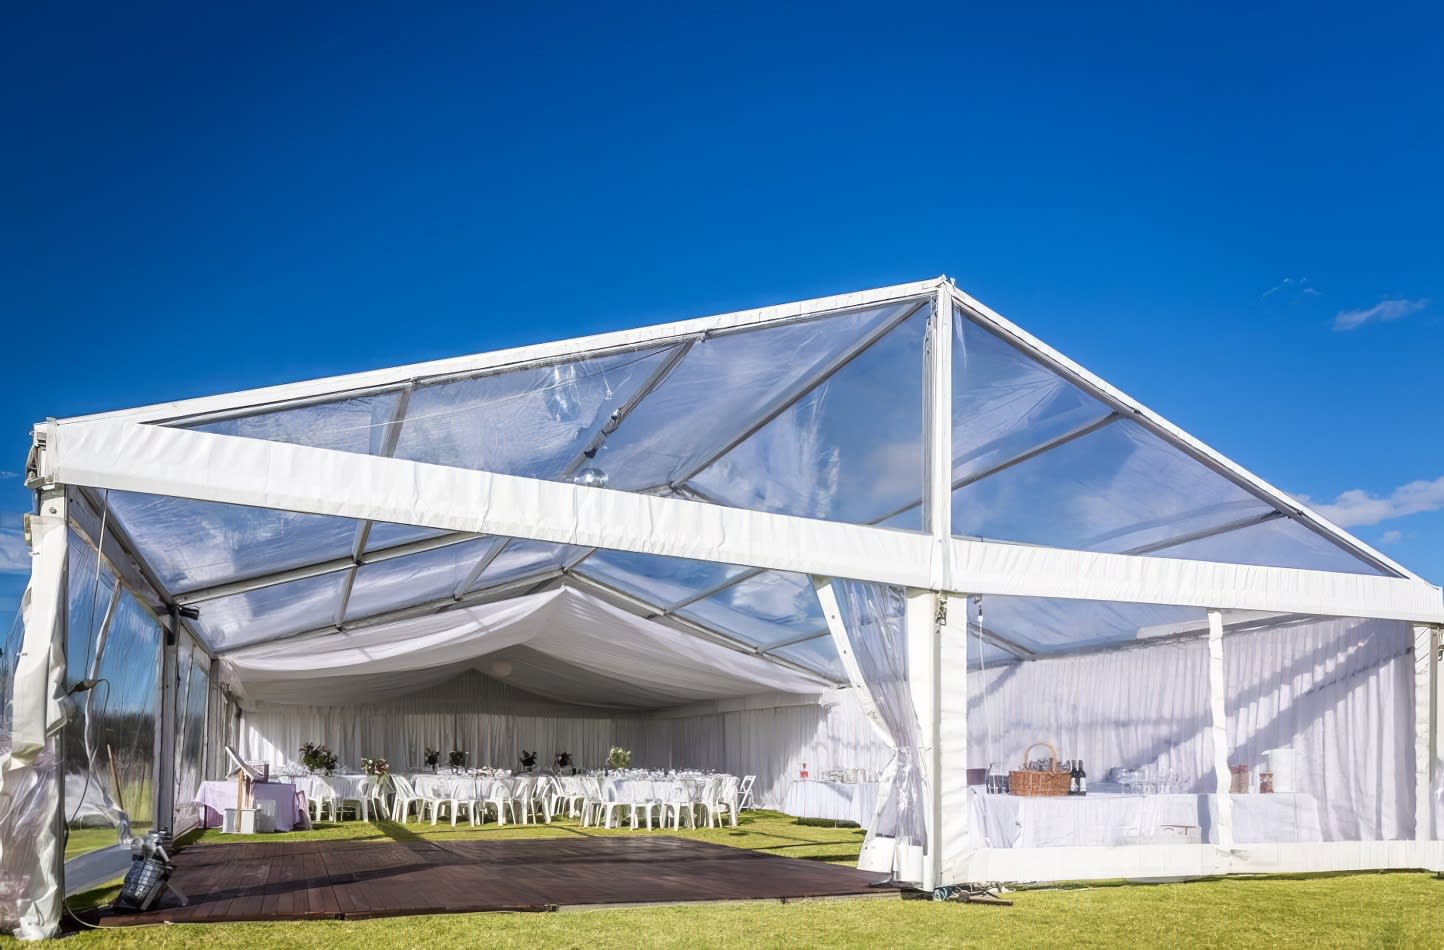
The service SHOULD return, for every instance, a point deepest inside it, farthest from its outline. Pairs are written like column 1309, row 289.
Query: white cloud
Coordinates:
column 1356, row 507
column 14, row 555
column 1291, row 287
column 1391, row 537
column 1380, row 312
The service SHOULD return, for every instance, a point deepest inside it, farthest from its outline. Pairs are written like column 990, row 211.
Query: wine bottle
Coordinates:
column 1082, row 779
column 1073, row 778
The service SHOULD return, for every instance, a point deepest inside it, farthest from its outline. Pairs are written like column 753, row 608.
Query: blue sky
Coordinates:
column 1234, row 216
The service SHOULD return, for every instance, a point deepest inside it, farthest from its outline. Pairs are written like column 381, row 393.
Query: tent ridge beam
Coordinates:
column 712, row 591
column 692, row 467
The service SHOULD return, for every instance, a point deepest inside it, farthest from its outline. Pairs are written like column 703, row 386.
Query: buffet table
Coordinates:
column 837, row 801
column 1103, row 818
column 215, row 797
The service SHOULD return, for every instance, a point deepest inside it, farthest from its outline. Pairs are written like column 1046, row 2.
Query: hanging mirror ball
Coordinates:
column 591, row 478
column 564, row 398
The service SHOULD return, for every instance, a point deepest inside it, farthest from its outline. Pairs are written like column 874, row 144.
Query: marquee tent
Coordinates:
column 885, row 530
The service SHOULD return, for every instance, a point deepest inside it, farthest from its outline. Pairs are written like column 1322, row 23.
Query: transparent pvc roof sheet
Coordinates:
column 769, row 608
column 662, row 581
column 531, row 422
column 399, row 582
column 525, row 558
column 818, row 654
column 1278, row 542
column 1053, row 625
column 850, row 450
column 737, row 377
column 357, row 424
column 270, row 612
column 1005, row 403
column 195, row 544
column 1117, row 489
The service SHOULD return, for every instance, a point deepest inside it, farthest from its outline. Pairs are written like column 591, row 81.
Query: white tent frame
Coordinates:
column 134, row 450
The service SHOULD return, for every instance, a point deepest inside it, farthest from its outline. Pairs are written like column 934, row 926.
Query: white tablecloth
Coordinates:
column 466, row 788
column 838, row 801
column 345, row 787
column 215, row 797
column 1007, row 821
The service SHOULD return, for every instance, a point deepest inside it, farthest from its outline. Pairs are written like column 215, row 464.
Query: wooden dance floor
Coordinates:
column 350, row 879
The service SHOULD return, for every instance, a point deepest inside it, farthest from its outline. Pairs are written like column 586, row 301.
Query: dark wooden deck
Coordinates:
column 319, row 879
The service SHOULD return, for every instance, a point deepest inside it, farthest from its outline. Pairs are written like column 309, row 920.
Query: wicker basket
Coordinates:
column 1031, row 784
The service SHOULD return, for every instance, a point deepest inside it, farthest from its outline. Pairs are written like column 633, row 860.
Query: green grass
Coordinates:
column 1373, row 910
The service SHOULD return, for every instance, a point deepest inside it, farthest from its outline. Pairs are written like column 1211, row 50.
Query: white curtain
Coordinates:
column 1338, row 692
column 874, row 628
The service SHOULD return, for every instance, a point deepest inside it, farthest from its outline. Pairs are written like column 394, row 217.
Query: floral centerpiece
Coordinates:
column 456, row 758
column 318, row 758
column 375, row 766
column 528, row 760
column 563, row 760
column 431, row 758
column 618, row 758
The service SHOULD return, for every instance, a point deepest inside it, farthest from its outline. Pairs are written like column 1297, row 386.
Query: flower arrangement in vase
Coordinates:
column 564, row 760
column 318, row 758
column 456, row 758
column 618, row 758
column 431, row 758
column 375, row 766
column 528, row 760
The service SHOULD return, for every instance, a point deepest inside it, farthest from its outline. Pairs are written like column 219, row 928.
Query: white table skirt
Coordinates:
column 1007, row 821
column 838, row 801
column 216, row 797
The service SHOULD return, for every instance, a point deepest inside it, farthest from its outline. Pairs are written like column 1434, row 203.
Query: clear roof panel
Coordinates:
column 850, row 450
column 768, row 608
column 195, row 544
column 819, row 654
column 386, row 535
column 270, row 612
column 530, row 422
column 1279, row 542
column 1005, row 403
column 523, row 558
column 413, row 579
column 346, row 425
column 1115, row 489
column 735, row 376
column 1053, row 625
column 662, row 581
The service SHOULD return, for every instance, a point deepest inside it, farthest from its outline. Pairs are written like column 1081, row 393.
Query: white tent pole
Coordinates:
column 165, row 733
column 1425, row 669
column 937, row 372
column 1218, row 724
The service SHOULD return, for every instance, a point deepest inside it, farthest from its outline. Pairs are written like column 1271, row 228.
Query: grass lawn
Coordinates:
column 1374, row 910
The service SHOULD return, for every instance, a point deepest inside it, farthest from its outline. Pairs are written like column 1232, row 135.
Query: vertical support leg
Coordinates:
column 955, row 807
column 32, row 782
column 165, row 751
column 1425, row 663
column 924, row 641
column 1218, row 720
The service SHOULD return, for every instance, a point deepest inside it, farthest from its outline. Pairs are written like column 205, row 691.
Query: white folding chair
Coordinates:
column 744, row 800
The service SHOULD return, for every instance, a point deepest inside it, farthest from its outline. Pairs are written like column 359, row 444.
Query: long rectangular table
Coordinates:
column 215, row 797
column 836, row 801
column 1008, row 821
